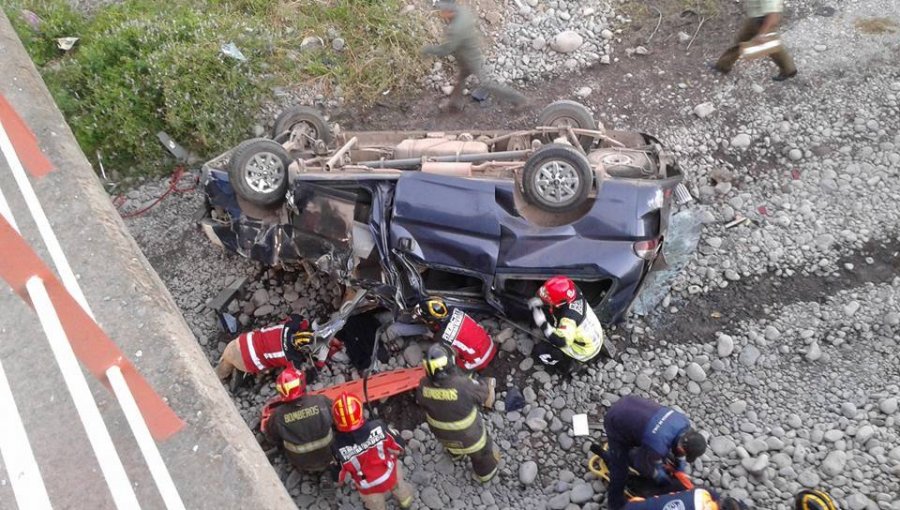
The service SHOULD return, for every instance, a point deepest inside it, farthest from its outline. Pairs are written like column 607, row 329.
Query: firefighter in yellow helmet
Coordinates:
column 452, row 403
column 814, row 500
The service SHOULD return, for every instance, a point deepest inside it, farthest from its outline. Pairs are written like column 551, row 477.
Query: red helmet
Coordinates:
column 557, row 290
column 347, row 412
column 291, row 383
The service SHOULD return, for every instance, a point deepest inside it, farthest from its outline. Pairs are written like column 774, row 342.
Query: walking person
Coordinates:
column 462, row 41
column 763, row 17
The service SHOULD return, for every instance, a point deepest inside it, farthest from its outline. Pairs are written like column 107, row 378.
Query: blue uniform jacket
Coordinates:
column 634, row 422
column 641, row 433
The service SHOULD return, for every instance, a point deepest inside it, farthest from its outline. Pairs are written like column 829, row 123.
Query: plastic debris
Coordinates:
column 514, row 399
column 231, row 50
column 66, row 43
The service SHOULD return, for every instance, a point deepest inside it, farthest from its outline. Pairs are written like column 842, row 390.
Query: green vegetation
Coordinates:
column 142, row 66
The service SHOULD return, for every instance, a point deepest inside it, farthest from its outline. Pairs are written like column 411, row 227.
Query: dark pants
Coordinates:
column 485, row 461
column 749, row 30
column 501, row 91
column 617, row 462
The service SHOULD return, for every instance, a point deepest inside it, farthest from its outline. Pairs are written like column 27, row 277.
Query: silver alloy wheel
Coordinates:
column 556, row 182
column 264, row 172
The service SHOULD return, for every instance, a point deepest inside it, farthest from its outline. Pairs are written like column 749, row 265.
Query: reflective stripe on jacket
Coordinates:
column 578, row 328
column 452, row 411
column 369, row 457
column 303, row 428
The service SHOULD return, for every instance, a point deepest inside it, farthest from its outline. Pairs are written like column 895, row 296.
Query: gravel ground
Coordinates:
column 794, row 375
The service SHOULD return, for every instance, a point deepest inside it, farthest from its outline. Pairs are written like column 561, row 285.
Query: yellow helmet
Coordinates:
column 814, row 500
column 433, row 309
column 301, row 339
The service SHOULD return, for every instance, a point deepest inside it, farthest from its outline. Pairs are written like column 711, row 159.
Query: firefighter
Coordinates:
column 472, row 346
column 451, row 402
column 462, row 41
column 301, row 425
column 367, row 452
column 573, row 332
column 280, row 346
column 694, row 499
column 809, row 499
column 641, row 435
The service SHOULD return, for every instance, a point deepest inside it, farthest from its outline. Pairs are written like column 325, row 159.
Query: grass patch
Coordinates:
column 876, row 25
column 142, row 66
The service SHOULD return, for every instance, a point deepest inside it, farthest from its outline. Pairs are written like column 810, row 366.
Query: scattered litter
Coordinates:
column 181, row 154
column 232, row 51
column 66, row 43
column 100, row 162
column 795, row 174
column 229, row 323
column 514, row 399
column 312, row 42
column 580, row 425
column 762, row 210
column 736, row 222
column 716, row 315
column 479, row 94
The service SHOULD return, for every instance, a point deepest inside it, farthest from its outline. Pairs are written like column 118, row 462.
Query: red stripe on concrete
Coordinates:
column 95, row 350
column 24, row 141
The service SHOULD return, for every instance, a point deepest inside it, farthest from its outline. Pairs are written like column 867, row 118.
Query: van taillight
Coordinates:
column 646, row 249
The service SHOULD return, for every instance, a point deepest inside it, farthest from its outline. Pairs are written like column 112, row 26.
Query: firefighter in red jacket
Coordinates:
column 573, row 332
column 473, row 347
column 301, row 424
column 367, row 452
column 280, row 346
column 452, row 404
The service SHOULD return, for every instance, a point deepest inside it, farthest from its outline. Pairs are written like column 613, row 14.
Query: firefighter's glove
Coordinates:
column 539, row 318
column 535, row 302
column 681, row 465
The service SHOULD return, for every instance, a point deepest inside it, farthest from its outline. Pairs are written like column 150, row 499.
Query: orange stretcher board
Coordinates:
column 380, row 386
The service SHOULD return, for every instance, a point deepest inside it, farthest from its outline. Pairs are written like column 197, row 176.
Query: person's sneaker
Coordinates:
column 783, row 76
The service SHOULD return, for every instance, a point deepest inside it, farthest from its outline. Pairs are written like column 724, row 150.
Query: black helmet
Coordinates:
column 432, row 309
column 438, row 362
column 732, row 504
column 814, row 500
column 693, row 444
